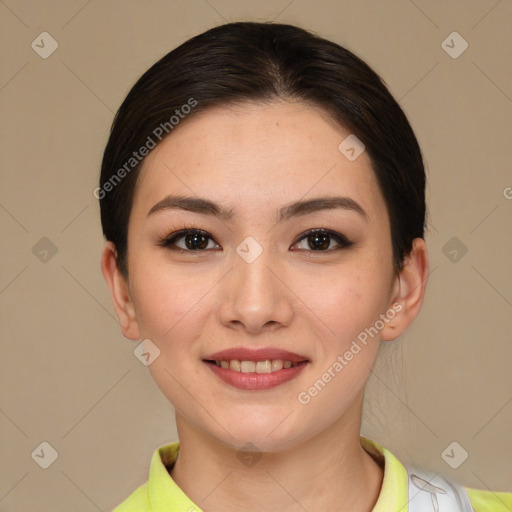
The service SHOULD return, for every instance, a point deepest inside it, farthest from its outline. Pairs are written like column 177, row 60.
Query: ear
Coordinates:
column 120, row 292
column 408, row 292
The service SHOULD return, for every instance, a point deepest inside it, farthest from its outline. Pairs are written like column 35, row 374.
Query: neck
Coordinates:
column 330, row 471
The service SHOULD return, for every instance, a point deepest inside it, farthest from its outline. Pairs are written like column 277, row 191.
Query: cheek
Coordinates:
column 347, row 299
column 168, row 300
column 171, row 307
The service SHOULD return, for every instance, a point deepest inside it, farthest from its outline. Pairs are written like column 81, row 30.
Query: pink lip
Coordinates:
column 256, row 381
column 260, row 354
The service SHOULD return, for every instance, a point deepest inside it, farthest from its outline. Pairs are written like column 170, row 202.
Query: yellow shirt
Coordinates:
column 161, row 494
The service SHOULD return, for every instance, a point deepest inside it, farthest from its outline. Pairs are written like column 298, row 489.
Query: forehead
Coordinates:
column 255, row 157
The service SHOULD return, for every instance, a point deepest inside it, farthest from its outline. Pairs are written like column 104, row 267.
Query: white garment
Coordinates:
column 432, row 492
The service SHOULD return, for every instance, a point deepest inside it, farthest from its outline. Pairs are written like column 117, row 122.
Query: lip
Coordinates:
column 256, row 381
column 260, row 354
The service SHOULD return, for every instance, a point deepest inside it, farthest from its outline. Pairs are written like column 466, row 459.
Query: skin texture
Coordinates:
column 254, row 159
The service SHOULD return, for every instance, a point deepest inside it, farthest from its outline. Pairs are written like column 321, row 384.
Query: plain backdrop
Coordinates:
column 69, row 378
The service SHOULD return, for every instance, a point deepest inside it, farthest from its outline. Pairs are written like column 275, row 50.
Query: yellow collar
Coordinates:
column 164, row 494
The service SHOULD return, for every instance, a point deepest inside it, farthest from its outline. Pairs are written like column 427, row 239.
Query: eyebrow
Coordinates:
column 206, row 207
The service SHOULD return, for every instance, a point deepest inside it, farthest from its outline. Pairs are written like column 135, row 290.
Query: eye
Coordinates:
column 190, row 239
column 319, row 240
column 197, row 240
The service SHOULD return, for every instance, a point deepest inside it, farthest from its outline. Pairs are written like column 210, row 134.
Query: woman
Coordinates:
column 262, row 198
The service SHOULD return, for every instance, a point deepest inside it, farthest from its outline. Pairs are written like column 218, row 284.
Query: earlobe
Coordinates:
column 409, row 291
column 119, row 292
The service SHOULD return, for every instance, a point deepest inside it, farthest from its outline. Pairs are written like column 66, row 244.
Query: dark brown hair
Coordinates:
column 239, row 62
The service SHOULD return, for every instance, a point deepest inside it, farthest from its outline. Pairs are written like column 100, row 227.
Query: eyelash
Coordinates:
column 171, row 239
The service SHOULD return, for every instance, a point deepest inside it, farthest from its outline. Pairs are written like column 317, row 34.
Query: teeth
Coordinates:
column 263, row 366
column 247, row 366
column 266, row 366
column 277, row 365
column 234, row 365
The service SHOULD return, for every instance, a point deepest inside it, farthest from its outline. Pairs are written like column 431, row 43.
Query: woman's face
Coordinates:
column 256, row 283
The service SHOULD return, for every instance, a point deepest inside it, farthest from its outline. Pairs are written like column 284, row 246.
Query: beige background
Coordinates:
column 70, row 379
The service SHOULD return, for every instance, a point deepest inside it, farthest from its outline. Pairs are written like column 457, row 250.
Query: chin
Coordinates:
column 263, row 435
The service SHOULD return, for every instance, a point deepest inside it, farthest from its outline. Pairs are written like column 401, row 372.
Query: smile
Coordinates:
column 256, row 369
column 255, row 375
column 265, row 366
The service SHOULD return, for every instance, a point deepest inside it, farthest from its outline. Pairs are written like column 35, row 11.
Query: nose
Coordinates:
column 254, row 297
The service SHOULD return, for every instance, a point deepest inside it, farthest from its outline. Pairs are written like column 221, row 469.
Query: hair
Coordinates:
column 251, row 62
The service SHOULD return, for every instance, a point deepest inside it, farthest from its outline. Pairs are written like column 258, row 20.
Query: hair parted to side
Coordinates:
column 247, row 61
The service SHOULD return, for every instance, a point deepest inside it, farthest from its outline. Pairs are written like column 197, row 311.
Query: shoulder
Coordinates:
column 404, row 484
column 159, row 488
column 488, row 501
column 138, row 501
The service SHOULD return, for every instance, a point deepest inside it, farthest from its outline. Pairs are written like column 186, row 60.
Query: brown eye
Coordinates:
column 194, row 241
column 320, row 240
column 189, row 240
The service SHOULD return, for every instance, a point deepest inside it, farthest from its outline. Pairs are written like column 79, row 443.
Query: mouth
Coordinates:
column 263, row 366
column 256, row 369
